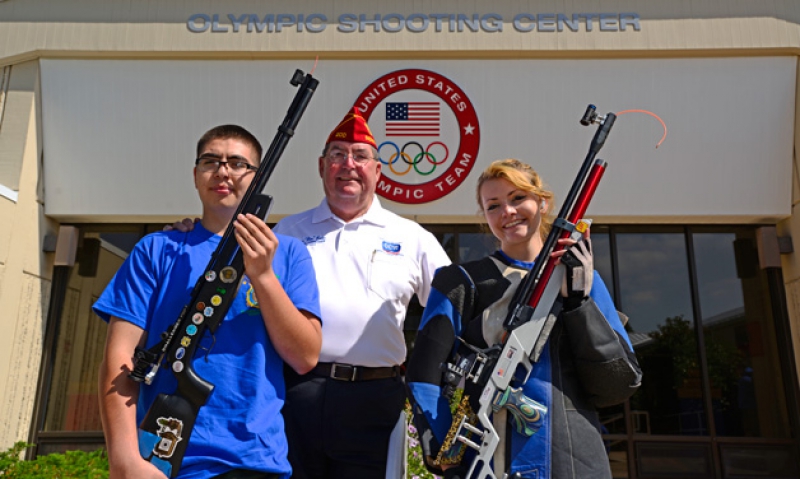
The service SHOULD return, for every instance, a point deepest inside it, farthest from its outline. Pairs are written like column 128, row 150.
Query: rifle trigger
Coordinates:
column 213, row 342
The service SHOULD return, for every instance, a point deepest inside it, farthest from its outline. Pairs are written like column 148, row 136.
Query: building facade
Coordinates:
column 101, row 103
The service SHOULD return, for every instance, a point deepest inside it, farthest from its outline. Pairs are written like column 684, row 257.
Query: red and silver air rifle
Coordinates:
column 531, row 316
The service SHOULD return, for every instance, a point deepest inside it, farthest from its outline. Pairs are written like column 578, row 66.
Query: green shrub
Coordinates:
column 70, row 465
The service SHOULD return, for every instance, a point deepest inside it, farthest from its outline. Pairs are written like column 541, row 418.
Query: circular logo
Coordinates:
column 431, row 134
column 228, row 274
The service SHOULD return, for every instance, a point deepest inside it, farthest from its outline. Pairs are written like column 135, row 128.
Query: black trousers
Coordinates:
column 338, row 429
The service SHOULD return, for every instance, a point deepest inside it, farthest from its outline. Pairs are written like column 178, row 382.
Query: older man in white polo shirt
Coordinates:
column 369, row 263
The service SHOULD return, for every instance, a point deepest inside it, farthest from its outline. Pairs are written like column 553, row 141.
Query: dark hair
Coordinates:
column 226, row 132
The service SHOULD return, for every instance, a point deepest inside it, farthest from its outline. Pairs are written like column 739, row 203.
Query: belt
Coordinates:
column 348, row 372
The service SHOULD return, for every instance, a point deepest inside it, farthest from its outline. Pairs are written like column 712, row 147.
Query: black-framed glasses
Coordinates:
column 338, row 156
column 212, row 165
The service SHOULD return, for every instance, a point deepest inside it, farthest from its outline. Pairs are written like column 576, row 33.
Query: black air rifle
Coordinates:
column 530, row 319
column 165, row 431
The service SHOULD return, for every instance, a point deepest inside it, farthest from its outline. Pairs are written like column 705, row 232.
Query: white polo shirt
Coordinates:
column 367, row 272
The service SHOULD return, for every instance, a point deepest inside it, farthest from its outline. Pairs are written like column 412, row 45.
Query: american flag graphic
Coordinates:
column 415, row 118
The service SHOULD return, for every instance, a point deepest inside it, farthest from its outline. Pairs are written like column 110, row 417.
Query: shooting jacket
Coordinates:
column 588, row 362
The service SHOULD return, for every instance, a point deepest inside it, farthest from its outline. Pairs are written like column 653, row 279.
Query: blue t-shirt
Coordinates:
column 240, row 427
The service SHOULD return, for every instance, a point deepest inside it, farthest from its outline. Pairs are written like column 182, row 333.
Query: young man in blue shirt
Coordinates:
column 274, row 320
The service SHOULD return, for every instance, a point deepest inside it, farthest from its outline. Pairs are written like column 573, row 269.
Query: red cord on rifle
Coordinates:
column 654, row 116
column 316, row 59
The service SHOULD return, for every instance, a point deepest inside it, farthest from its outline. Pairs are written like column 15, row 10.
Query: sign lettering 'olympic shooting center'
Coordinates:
column 414, row 23
column 429, row 131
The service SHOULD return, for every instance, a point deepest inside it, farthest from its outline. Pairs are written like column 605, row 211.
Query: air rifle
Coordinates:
column 530, row 319
column 165, row 431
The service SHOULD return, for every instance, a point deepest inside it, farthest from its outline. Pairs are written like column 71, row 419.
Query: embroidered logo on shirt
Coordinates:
column 313, row 239
column 250, row 297
column 391, row 248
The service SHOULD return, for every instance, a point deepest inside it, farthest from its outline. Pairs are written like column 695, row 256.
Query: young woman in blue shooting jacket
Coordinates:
column 587, row 362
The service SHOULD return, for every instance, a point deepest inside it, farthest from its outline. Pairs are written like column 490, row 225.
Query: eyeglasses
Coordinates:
column 212, row 165
column 340, row 157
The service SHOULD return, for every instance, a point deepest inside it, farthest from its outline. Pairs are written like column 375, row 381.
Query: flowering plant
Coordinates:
column 416, row 462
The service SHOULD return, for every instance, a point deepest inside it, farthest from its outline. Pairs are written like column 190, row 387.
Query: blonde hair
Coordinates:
column 524, row 178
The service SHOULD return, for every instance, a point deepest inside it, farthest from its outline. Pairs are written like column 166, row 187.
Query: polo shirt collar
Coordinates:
column 375, row 215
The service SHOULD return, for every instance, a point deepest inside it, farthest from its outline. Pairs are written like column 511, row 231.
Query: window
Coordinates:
column 745, row 378
column 655, row 294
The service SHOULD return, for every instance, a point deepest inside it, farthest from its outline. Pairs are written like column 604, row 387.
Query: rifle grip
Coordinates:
column 528, row 414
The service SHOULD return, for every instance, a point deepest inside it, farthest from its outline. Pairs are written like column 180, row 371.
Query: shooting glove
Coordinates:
column 578, row 274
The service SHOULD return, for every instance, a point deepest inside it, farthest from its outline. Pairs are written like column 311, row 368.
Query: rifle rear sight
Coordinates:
column 591, row 116
column 297, row 78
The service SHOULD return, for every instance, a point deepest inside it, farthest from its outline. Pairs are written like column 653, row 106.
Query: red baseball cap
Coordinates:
column 353, row 129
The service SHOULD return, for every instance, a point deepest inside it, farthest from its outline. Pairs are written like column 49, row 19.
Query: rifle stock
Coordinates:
column 532, row 313
column 165, row 431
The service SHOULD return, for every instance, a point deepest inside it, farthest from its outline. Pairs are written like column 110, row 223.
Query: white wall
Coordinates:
column 119, row 135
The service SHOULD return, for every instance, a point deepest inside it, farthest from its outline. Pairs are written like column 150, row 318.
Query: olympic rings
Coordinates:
column 433, row 163
column 417, row 158
column 446, row 151
column 413, row 161
column 392, row 161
